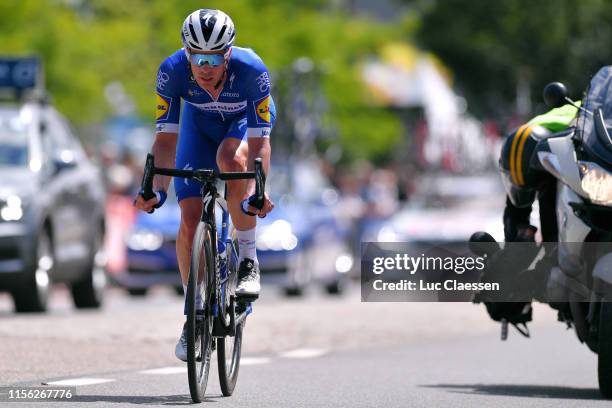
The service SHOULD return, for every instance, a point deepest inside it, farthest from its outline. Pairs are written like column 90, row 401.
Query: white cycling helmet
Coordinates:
column 208, row 30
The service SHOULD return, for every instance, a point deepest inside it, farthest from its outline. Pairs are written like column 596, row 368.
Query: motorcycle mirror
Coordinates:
column 555, row 95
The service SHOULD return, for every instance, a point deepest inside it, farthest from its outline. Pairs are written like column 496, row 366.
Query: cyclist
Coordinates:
column 525, row 180
column 227, row 117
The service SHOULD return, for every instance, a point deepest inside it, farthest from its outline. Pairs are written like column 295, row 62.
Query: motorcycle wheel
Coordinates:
column 604, row 366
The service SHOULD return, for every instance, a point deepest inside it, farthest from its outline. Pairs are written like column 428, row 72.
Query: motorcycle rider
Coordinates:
column 525, row 180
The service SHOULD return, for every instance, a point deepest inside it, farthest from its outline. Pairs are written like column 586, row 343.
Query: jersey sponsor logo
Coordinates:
column 242, row 123
column 194, row 92
column 262, row 108
column 207, row 199
column 187, row 167
column 231, row 94
column 258, row 132
column 224, row 107
column 162, row 79
column 162, row 108
column 263, row 81
column 167, row 127
column 231, row 80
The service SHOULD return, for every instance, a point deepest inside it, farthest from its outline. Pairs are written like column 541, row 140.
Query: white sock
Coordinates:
column 246, row 245
column 199, row 300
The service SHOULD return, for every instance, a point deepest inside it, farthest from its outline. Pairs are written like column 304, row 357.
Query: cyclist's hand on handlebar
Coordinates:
column 145, row 205
column 248, row 209
column 150, row 204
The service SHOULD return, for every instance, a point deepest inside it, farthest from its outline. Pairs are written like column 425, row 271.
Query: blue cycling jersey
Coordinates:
column 244, row 109
column 246, row 91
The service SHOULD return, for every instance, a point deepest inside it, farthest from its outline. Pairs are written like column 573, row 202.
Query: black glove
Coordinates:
column 253, row 201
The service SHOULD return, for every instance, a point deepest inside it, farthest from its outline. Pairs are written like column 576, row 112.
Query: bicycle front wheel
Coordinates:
column 229, row 347
column 228, row 359
column 199, row 325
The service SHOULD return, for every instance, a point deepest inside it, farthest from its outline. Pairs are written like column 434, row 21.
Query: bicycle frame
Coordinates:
column 210, row 197
column 214, row 322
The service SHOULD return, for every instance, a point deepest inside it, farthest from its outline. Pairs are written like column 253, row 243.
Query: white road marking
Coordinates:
column 254, row 360
column 74, row 382
column 245, row 361
column 165, row 370
column 303, row 353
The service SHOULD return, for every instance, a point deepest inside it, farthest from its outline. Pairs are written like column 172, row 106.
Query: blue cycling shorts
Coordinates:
column 199, row 139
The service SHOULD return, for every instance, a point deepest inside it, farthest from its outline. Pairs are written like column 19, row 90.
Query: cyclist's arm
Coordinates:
column 166, row 121
column 258, row 147
column 260, row 119
column 164, row 151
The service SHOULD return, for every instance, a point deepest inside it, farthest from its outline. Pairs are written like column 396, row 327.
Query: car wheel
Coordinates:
column 138, row 292
column 33, row 296
column 88, row 292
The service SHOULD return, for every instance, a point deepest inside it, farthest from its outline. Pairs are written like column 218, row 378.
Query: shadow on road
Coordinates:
column 532, row 391
column 168, row 400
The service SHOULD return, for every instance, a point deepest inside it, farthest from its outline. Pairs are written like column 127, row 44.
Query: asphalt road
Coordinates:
column 314, row 351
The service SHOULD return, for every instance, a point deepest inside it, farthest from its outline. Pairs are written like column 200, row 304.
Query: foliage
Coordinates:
column 86, row 44
column 492, row 45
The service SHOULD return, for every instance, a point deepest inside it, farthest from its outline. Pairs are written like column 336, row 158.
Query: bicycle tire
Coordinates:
column 198, row 364
column 229, row 347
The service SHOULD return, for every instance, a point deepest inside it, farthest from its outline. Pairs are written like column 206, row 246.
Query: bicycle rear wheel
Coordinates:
column 229, row 347
column 228, row 359
column 199, row 326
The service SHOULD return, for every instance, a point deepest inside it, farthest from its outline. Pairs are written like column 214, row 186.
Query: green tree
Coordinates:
column 491, row 45
column 86, row 44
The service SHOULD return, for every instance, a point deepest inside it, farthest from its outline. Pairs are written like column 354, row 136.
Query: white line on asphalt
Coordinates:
column 254, row 360
column 303, row 353
column 165, row 370
column 72, row 382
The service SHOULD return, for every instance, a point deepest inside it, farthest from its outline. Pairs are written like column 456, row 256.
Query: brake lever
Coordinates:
column 257, row 200
column 146, row 185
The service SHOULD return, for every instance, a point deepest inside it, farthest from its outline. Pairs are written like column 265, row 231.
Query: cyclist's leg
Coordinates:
column 191, row 208
column 195, row 150
column 232, row 156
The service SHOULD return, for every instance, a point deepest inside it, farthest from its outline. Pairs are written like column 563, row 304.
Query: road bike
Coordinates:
column 214, row 263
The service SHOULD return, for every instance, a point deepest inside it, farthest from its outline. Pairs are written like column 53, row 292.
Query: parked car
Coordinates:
column 51, row 209
column 303, row 238
column 150, row 242
column 443, row 210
